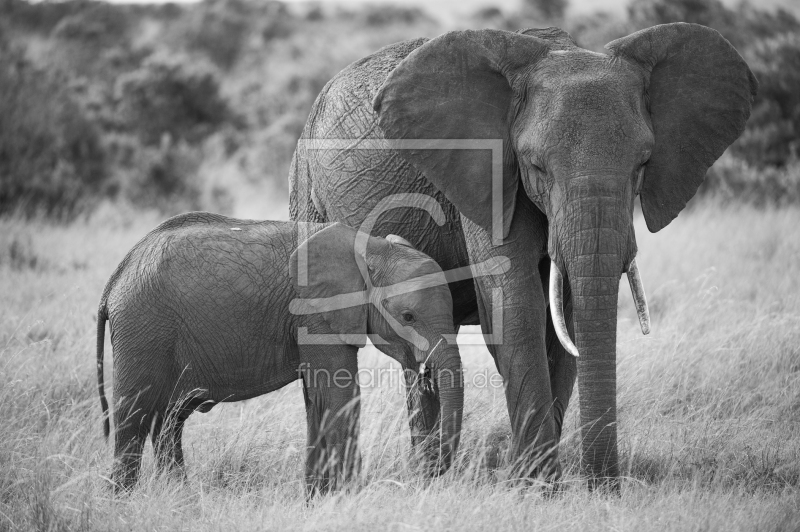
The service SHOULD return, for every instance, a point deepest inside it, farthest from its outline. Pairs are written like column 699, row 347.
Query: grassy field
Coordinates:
column 709, row 406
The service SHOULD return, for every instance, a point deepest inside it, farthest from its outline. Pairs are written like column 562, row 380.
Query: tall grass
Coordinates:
column 709, row 406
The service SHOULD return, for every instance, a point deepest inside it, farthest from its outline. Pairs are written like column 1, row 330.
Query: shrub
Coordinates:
column 99, row 25
column 773, row 132
column 169, row 96
column 550, row 10
column 386, row 14
column 734, row 180
column 51, row 156
column 741, row 26
column 80, row 42
column 163, row 177
column 39, row 17
column 712, row 13
column 220, row 29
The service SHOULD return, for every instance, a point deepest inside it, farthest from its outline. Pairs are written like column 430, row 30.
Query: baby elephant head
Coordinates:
column 360, row 285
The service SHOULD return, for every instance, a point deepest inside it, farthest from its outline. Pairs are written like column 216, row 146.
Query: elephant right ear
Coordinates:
column 328, row 281
column 459, row 86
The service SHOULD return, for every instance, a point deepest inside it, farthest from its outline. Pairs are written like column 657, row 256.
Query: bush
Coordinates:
column 280, row 24
column 551, row 10
column 741, row 26
column 80, row 42
column 773, row 132
column 99, row 25
column 165, row 178
column 712, row 13
column 51, row 156
column 387, row 14
column 220, row 28
column 168, row 96
column 220, row 36
column 39, row 17
column 734, row 180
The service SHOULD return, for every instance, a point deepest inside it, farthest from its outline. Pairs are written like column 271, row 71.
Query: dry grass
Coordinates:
column 709, row 406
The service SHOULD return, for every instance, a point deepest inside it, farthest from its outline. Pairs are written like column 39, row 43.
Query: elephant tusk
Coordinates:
column 637, row 289
column 557, row 309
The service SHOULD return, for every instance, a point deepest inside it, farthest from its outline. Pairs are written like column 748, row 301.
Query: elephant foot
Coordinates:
column 605, row 485
column 425, row 455
column 549, row 484
column 121, row 484
column 537, row 470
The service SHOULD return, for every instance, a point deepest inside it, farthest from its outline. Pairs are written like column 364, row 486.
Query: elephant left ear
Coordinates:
column 700, row 94
column 329, row 282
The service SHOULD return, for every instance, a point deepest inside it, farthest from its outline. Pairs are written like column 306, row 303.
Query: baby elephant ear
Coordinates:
column 395, row 239
column 328, row 281
column 700, row 93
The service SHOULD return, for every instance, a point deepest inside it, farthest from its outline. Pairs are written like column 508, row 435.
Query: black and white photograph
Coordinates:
column 399, row 265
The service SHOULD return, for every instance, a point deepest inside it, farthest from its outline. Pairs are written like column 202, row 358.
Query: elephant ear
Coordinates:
column 459, row 86
column 700, row 94
column 327, row 279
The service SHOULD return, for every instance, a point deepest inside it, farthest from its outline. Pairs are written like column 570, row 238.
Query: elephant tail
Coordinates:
column 102, row 317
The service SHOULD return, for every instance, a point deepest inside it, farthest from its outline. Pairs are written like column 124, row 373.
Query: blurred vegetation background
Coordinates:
column 199, row 106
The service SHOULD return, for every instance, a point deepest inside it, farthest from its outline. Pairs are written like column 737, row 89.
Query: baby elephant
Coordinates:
column 208, row 309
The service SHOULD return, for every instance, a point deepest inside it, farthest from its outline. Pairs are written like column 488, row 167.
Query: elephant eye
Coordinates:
column 408, row 317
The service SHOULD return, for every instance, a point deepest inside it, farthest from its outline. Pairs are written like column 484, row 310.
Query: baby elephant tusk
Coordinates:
column 637, row 289
column 557, row 309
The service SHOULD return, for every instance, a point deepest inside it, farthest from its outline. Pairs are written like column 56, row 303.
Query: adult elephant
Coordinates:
column 582, row 135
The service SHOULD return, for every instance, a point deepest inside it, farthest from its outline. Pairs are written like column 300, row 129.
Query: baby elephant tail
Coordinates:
column 102, row 317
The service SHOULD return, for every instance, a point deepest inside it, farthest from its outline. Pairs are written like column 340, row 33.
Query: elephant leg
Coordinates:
column 316, row 482
column 563, row 366
column 167, row 438
column 131, row 428
column 423, row 418
column 513, row 310
column 333, row 410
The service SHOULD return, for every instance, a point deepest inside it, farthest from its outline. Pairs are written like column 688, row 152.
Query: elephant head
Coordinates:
column 584, row 133
column 362, row 285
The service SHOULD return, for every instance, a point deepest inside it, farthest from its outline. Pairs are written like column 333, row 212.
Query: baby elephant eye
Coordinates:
column 407, row 317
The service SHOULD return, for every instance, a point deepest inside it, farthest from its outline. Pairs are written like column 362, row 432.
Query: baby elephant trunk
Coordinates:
column 447, row 378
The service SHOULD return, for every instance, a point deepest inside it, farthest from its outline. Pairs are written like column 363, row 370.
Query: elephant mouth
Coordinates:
column 425, row 379
column 423, row 368
column 556, row 297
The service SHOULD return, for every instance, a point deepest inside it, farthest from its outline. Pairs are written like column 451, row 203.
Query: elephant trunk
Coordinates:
column 595, row 319
column 592, row 247
column 448, row 380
